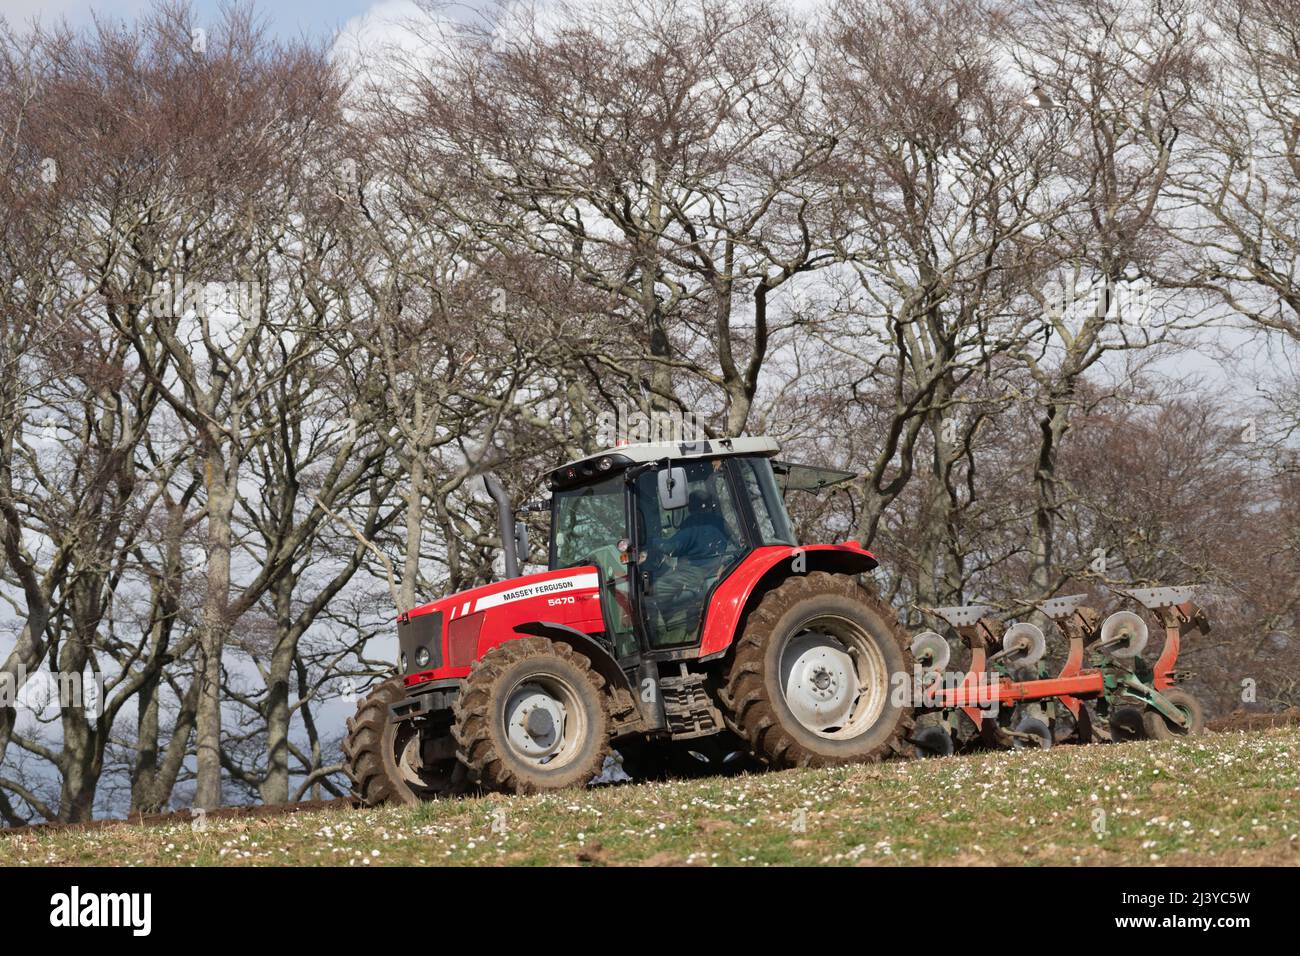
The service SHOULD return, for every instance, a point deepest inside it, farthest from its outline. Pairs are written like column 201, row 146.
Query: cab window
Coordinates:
column 764, row 495
column 686, row 551
column 589, row 524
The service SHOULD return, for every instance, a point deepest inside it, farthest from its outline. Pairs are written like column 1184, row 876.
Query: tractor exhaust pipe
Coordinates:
column 506, row 519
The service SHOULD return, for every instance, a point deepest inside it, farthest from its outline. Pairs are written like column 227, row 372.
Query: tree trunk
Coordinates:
column 220, row 477
column 80, row 760
column 414, row 533
column 144, row 774
column 80, row 772
column 17, row 668
column 1042, row 547
column 30, row 648
column 275, row 787
column 153, row 794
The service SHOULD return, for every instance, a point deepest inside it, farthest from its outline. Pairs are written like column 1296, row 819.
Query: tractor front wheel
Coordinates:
column 813, row 676
column 390, row 762
column 531, row 716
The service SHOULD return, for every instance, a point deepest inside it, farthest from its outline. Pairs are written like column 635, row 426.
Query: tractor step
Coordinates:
column 687, row 706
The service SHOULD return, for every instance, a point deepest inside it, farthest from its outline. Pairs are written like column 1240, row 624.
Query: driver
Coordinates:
column 700, row 545
column 703, row 537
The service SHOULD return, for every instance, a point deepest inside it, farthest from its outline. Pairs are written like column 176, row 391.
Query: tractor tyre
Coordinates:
column 1127, row 724
column 1158, row 728
column 1038, row 730
column 811, row 681
column 933, row 741
column 390, row 762
column 532, row 716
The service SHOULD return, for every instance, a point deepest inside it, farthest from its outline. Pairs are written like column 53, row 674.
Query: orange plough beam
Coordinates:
column 975, row 693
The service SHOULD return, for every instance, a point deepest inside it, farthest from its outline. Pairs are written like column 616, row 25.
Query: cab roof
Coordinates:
column 620, row 456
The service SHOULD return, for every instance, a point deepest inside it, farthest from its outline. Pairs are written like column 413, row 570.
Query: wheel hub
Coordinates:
column 821, row 681
column 540, row 724
column 534, row 722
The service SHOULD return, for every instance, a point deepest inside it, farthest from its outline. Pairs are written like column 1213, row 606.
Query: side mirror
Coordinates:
column 521, row 542
column 672, row 489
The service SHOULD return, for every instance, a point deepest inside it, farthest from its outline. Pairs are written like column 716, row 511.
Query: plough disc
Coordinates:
column 1126, row 723
column 1124, row 634
column 933, row 742
column 1026, row 642
column 1032, row 732
column 931, row 651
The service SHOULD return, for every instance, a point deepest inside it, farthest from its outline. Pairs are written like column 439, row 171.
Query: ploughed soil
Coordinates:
column 1248, row 720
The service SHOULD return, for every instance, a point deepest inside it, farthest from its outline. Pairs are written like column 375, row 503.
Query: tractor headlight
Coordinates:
column 422, row 657
column 403, row 662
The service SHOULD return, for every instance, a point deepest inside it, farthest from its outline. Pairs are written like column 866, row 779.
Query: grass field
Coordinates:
column 1231, row 799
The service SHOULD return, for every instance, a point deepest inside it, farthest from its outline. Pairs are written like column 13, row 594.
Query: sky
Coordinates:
column 285, row 18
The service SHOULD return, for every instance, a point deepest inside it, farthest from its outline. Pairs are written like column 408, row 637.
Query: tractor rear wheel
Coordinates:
column 391, row 762
column 531, row 716
column 812, row 678
column 1158, row 728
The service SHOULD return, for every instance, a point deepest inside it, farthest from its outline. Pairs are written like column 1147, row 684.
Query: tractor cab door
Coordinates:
column 683, row 553
column 590, row 527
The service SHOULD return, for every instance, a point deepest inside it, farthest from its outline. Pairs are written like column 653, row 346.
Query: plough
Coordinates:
column 1011, row 701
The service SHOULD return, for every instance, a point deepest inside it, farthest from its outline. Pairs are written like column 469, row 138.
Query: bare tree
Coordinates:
column 945, row 181
column 675, row 180
column 1120, row 79
column 1244, row 173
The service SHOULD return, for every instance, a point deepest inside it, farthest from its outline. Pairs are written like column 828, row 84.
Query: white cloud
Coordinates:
column 387, row 35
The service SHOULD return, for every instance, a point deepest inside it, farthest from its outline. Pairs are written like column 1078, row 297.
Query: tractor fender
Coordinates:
column 763, row 570
column 602, row 661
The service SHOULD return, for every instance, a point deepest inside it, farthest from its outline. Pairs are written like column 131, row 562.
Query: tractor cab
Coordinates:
column 665, row 523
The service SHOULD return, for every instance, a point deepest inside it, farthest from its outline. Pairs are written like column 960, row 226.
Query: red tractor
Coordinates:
column 678, row 611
